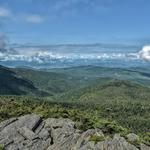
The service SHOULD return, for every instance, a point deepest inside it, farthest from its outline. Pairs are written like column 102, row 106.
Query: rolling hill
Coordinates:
column 51, row 82
column 72, row 81
column 136, row 75
column 13, row 84
column 106, row 89
column 123, row 101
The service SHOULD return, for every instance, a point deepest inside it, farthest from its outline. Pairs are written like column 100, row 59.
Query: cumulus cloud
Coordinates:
column 145, row 53
column 34, row 18
column 5, row 49
column 43, row 56
column 4, row 12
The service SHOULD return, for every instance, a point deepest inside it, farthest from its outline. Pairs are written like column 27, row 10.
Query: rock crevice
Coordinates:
column 31, row 132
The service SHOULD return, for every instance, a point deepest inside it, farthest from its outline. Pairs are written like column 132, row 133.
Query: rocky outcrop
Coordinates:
column 31, row 132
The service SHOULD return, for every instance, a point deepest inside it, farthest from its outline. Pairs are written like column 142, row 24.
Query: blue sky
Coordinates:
column 75, row 21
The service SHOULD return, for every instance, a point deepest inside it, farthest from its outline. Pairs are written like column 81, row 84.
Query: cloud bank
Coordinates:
column 54, row 56
column 145, row 53
column 42, row 56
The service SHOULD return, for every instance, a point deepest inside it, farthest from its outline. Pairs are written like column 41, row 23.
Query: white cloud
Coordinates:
column 35, row 19
column 4, row 12
column 145, row 53
column 42, row 55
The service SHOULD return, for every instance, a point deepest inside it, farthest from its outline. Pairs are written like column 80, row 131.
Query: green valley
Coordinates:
column 115, row 100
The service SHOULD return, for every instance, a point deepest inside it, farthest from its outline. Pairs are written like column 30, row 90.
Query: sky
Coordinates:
column 75, row 21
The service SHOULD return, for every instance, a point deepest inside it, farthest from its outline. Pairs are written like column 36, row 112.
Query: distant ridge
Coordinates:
column 13, row 84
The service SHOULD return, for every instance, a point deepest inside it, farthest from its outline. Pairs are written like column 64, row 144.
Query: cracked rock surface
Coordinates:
column 31, row 132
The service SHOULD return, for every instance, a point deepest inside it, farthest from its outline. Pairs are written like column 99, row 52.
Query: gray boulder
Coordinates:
column 132, row 137
column 117, row 143
column 63, row 133
column 31, row 132
column 19, row 133
column 144, row 147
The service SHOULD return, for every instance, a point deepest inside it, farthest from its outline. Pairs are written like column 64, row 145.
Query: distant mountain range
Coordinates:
column 52, row 82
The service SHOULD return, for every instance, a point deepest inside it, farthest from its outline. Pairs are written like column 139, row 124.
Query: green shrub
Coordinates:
column 146, row 138
column 97, row 138
column 1, row 147
column 135, row 143
column 121, row 118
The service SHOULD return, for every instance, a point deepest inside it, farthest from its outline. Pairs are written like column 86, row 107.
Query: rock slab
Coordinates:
column 31, row 132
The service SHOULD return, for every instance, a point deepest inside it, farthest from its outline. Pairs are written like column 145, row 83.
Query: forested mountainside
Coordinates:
column 105, row 98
